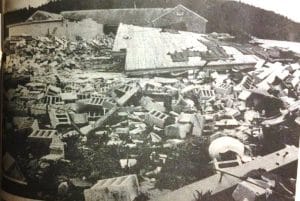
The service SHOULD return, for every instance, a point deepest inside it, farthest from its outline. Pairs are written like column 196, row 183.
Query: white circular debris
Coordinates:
column 225, row 144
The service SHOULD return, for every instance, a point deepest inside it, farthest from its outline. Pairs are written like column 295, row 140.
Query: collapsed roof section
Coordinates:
column 152, row 50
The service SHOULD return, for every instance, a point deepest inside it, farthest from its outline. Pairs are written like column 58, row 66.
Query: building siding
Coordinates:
column 87, row 29
column 38, row 29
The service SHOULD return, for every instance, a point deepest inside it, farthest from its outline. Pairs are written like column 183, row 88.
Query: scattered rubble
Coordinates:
column 98, row 126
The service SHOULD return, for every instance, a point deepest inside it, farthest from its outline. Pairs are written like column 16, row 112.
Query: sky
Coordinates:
column 18, row 4
column 288, row 8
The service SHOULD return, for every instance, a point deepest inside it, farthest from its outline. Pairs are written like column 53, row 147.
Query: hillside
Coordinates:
column 224, row 16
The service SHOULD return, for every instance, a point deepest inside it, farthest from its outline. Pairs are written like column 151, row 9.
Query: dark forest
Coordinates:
column 232, row 17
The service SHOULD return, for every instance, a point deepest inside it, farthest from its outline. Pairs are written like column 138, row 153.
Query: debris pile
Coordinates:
column 44, row 55
column 88, row 122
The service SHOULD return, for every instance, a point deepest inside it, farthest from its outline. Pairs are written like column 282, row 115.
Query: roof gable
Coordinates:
column 180, row 7
column 43, row 16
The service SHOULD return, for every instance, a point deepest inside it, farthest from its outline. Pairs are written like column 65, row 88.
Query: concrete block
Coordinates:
column 224, row 89
column 23, row 123
column 52, row 100
column 96, row 101
column 68, row 97
column 248, row 191
column 53, row 90
column 93, row 116
column 149, row 104
column 157, row 118
column 38, row 109
column 79, row 119
column 108, row 103
column 42, row 135
column 123, row 188
column 205, row 94
column 59, row 119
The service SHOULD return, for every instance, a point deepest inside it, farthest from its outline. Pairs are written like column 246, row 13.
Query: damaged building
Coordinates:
column 153, row 113
column 43, row 23
column 91, row 23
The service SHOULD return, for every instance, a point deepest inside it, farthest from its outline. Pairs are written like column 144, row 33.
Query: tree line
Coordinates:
column 232, row 17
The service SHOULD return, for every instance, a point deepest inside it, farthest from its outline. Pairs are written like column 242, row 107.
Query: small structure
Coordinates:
column 43, row 23
column 123, row 188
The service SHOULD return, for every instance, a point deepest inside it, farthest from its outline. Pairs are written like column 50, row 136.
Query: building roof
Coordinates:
column 154, row 49
column 44, row 16
column 134, row 16
column 39, row 17
column 140, row 16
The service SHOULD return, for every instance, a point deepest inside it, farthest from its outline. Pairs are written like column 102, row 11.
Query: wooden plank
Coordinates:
column 103, row 120
column 213, row 183
column 127, row 96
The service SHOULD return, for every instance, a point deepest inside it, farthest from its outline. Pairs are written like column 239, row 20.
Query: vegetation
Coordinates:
column 189, row 163
column 224, row 16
